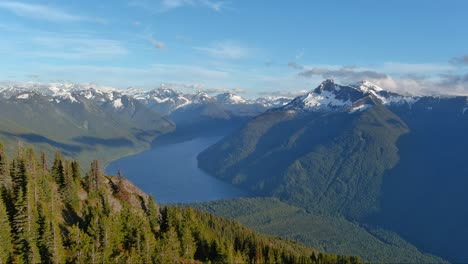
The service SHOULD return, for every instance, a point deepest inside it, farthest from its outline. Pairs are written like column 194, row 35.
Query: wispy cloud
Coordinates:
column 46, row 45
column 460, row 80
column 156, row 43
column 183, row 86
column 168, row 5
column 343, row 73
column 295, row 66
column 415, row 68
column 214, row 5
column 269, row 63
column 183, row 38
column 77, row 47
column 281, row 93
column 41, row 12
column 130, row 76
column 226, row 50
column 300, row 54
column 461, row 60
column 220, row 90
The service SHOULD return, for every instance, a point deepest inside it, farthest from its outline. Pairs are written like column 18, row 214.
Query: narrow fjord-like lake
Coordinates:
column 171, row 174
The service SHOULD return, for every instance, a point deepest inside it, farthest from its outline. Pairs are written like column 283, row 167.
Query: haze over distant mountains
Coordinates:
column 163, row 100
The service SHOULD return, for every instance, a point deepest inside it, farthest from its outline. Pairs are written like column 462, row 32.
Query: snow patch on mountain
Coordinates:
column 117, row 103
column 273, row 101
column 23, row 96
column 368, row 87
column 329, row 96
column 324, row 100
column 359, row 108
column 229, row 98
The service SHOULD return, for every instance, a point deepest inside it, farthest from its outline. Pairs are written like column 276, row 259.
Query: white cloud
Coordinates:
column 226, row 50
column 41, row 12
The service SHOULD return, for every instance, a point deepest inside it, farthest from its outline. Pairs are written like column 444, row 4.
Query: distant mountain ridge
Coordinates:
column 81, row 121
column 68, row 115
column 162, row 100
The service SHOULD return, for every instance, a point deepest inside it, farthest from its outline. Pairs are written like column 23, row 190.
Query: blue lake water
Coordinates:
column 171, row 173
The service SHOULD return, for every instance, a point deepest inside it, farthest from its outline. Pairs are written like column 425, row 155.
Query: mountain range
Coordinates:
column 360, row 152
column 87, row 121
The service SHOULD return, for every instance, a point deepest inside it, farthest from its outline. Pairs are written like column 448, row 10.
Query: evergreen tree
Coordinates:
column 152, row 213
column 3, row 166
column 43, row 162
column 94, row 176
column 58, row 170
column 168, row 247
column 18, row 177
column 76, row 170
column 70, row 190
column 6, row 246
column 20, row 220
column 80, row 246
column 32, row 220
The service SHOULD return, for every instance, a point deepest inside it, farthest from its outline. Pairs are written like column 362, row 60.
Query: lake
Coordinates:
column 171, row 174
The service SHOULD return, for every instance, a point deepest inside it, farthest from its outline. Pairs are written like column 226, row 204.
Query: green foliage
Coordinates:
column 6, row 246
column 328, row 233
column 53, row 216
column 332, row 163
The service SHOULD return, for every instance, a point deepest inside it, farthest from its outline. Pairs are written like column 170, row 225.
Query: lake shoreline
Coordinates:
column 177, row 178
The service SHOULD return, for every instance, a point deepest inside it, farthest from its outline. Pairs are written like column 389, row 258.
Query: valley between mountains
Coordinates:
column 345, row 169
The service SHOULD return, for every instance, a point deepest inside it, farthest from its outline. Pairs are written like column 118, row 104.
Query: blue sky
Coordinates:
column 251, row 47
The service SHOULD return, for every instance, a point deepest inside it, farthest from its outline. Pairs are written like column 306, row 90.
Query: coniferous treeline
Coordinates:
column 54, row 215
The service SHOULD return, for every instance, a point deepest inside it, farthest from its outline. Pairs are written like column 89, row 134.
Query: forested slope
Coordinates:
column 54, row 215
column 324, row 232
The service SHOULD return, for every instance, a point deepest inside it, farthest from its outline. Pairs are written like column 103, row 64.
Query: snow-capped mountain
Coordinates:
column 230, row 98
column 164, row 101
column 330, row 96
column 273, row 101
column 58, row 92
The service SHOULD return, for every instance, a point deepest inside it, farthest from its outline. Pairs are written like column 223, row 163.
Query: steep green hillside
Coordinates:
column 53, row 215
column 324, row 232
column 81, row 129
column 325, row 162
column 427, row 189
